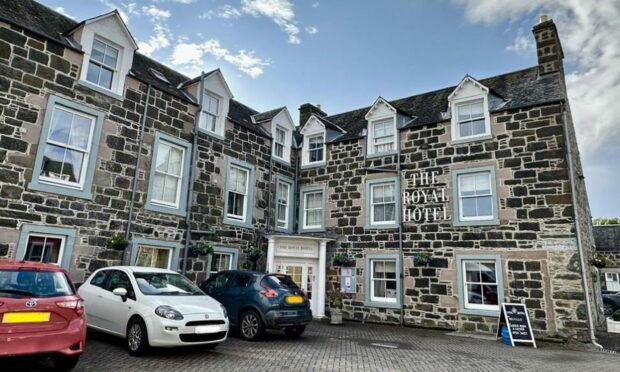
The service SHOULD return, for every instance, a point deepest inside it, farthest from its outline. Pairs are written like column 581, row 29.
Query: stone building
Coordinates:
column 607, row 240
column 446, row 203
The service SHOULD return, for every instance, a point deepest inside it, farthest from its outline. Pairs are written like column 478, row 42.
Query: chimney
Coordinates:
column 548, row 46
column 306, row 110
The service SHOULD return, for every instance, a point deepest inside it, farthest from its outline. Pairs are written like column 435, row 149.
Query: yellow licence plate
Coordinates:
column 294, row 300
column 26, row 317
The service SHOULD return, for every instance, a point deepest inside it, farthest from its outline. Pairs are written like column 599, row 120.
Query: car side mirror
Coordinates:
column 122, row 292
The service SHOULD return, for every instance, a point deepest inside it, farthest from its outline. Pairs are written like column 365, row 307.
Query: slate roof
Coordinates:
column 523, row 88
column 267, row 115
column 241, row 114
column 606, row 237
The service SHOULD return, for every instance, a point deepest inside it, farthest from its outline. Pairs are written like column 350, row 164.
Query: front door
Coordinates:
column 303, row 274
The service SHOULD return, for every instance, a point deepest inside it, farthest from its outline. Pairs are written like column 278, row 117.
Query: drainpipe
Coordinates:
column 134, row 185
column 269, row 224
column 400, row 238
column 192, row 173
column 296, row 204
column 582, row 262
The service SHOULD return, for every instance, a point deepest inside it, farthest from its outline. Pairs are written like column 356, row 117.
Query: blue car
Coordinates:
column 258, row 301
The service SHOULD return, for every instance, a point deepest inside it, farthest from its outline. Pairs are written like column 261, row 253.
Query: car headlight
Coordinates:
column 168, row 312
column 224, row 311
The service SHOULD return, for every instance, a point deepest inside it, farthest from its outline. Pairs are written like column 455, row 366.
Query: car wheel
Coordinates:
column 608, row 308
column 294, row 332
column 251, row 326
column 137, row 338
column 65, row 362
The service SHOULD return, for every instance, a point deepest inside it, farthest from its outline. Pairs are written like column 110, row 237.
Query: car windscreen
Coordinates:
column 280, row 281
column 166, row 284
column 33, row 283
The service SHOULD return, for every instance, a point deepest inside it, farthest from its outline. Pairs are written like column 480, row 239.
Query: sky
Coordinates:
column 343, row 54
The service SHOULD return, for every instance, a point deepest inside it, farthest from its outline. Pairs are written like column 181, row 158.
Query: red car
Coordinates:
column 40, row 313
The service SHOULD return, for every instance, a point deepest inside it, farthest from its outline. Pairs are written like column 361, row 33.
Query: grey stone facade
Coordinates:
column 535, row 239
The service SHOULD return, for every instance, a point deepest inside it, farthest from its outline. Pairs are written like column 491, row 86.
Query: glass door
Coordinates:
column 303, row 274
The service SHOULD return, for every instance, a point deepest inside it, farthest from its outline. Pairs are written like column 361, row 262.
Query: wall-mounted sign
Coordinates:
column 348, row 282
column 296, row 250
column 518, row 322
column 427, row 200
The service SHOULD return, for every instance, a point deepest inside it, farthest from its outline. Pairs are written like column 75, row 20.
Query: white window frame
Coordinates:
column 286, row 204
column 85, row 161
column 497, row 283
column 203, row 124
column 384, row 140
column 458, row 123
column 461, row 197
column 277, row 143
column 322, row 148
column 246, row 195
column 170, row 253
column 107, row 44
column 176, row 204
column 373, row 204
column 374, row 298
column 63, row 241
column 212, row 260
column 306, row 209
column 609, row 279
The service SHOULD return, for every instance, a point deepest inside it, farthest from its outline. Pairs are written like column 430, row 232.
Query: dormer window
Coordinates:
column 279, row 143
column 383, row 136
column 469, row 104
column 315, row 149
column 210, row 109
column 382, row 133
column 470, row 119
column 102, row 64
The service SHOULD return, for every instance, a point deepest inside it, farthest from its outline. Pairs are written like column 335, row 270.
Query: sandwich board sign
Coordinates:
column 517, row 321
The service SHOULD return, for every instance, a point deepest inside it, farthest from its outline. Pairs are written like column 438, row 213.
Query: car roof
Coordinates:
column 140, row 269
column 8, row 264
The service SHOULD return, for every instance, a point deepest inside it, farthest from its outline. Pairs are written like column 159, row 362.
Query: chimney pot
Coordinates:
column 543, row 18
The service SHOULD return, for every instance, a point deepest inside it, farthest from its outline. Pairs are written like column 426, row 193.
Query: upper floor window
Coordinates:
column 282, row 206
column 383, row 203
column 280, row 143
column 239, row 188
column 312, row 209
column 475, row 196
column 470, row 119
column 210, row 109
column 102, row 64
column 316, row 148
column 65, row 160
column 383, row 136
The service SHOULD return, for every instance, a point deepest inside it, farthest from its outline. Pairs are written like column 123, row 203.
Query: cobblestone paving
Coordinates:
column 352, row 347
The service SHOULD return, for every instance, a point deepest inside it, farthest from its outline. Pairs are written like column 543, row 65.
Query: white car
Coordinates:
column 152, row 307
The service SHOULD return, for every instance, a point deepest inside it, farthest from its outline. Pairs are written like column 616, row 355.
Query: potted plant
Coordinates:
column 255, row 255
column 334, row 301
column 117, row 242
column 421, row 258
column 613, row 323
column 342, row 259
column 599, row 261
column 202, row 249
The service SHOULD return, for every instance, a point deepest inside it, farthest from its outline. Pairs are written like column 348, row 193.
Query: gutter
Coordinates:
column 192, row 175
column 582, row 263
column 134, row 186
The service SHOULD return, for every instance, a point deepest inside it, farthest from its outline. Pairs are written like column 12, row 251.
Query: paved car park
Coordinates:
column 352, row 347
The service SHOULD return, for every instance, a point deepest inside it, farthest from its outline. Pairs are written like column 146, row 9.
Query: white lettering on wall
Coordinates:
column 425, row 191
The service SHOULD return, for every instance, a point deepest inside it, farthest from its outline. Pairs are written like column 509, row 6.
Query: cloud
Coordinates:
column 312, row 30
column 161, row 37
column 191, row 56
column 126, row 10
column 522, row 44
column 316, row 4
column 62, row 11
column 279, row 11
column 589, row 34
column 225, row 11
column 156, row 13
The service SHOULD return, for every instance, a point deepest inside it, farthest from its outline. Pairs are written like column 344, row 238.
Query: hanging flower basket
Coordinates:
column 255, row 254
column 201, row 249
column 422, row 258
column 599, row 261
column 117, row 242
column 342, row 259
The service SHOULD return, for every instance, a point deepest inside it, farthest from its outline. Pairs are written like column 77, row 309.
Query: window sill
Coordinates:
column 284, row 230
column 101, row 90
column 383, row 305
column 381, row 154
column 229, row 221
column 167, row 210
column 212, row 134
column 479, row 312
column 281, row 161
column 60, row 190
column 483, row 137
column 493, row 222
column 381, row 227
column 313, row 165
column 311, row 229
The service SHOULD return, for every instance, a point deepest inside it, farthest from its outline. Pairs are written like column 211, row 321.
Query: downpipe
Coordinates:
column 584, row 270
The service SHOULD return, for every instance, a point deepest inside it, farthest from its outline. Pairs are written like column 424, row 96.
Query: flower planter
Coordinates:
column 335, row 317
column 613, row 326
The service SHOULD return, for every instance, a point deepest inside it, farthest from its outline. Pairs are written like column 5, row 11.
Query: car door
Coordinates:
column 92, row 292
column 115, row 310
column 237, row 294
column 215, row 286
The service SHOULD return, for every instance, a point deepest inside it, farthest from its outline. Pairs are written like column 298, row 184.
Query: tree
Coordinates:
column 606, row 221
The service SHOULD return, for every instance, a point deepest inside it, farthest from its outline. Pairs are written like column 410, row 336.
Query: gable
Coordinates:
column 283, row 119
column 109, row 26
column 381, row 108
column 468, row 88
column 215, row 82
column 313, row 125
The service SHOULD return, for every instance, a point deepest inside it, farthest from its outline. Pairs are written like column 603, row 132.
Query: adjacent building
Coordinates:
column 607, row 239
column 445, row 204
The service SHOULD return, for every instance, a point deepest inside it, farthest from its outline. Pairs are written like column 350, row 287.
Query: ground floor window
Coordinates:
column 153, row 257
column 223, row 258
column 612, row 282
column 382, row 280
column 162, row 254
column 47, row 244
column 480, row 284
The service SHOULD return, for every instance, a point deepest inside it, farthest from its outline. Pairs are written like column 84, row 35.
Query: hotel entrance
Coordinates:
column 302, row 273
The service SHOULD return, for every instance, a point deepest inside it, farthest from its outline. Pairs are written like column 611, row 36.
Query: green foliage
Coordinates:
column 341, row 259
column 117, row 241
column 255, row 254
column 599, row 261
column 606, row 221
column 616, row 316
column 203, row 249
column 334, row 300
column 422, row 258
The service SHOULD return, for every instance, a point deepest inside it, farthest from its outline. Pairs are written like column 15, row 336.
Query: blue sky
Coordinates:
column 343, row 54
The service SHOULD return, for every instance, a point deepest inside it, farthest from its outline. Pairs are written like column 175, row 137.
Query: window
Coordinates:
column 100, row 279
column 67, row 151
column 612, row 281
column 382, row 203
column 218, row 281
column 102, row 64
column 382, row 273
column 312, row 209
column 221, row 261
column 119, row 279
column 315, row 149
column 475, row 196
column 241, row 281
column 470, row 119
column 480, row 284
column 44, row 248
column 283, row 200
column 279, row 143
column 168, row 186
column 46, row 244
column 211, row 110
column 239, row 193
column 153, row 257
column 154, row 253
column 383, row 136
